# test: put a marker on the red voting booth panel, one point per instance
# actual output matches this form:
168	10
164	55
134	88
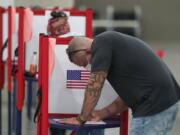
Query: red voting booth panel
11	30
9	62
1	45
20	74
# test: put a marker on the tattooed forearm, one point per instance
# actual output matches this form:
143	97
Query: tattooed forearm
93	92
117	106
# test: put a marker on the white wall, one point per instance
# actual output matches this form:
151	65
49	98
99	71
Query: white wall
172	55
6	3
46	3
160	18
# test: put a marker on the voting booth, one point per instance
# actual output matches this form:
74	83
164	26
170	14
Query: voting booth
31	23
80	25
63	84
12	37
7	30
35	22
3	29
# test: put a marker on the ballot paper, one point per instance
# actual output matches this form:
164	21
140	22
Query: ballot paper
88	122
96	122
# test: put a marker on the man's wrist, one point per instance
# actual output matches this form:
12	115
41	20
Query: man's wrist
80	120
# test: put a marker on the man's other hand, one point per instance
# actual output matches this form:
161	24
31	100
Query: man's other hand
72	121
96	115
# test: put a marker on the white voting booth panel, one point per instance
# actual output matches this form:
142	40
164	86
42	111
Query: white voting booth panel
5	26
14	34
39	25
5	33
69	100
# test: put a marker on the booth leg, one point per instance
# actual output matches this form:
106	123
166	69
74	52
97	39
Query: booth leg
9	114
0	113
19	122
14	106
124	123
29	99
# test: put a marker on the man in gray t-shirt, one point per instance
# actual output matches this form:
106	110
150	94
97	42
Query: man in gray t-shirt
141	79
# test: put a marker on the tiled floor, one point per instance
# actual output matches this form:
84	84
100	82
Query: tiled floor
29	128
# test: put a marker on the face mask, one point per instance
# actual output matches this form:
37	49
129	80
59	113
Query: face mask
88	67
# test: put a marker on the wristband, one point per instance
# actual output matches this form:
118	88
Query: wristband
80	120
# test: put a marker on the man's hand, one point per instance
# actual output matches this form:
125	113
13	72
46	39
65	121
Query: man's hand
95	115
72	121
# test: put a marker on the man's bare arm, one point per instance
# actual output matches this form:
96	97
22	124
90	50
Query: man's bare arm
92	93
117	106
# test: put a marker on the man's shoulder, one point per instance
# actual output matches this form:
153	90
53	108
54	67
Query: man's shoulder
108	33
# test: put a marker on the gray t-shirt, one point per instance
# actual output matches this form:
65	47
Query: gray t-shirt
139	77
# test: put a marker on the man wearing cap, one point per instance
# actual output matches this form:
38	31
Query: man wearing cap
141	79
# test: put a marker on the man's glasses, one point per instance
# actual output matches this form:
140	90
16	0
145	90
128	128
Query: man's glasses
70	53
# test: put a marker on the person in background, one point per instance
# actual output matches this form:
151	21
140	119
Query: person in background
142	80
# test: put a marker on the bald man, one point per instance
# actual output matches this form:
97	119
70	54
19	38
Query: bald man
141	79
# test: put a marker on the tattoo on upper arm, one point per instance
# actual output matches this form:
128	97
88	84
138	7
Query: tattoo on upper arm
96	82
